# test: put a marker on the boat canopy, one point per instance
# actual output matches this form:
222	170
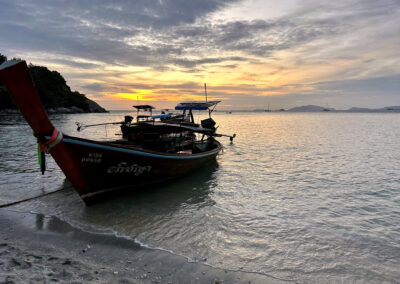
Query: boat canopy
161	116
196	105
144	107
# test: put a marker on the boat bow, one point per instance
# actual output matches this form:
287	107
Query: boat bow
16	77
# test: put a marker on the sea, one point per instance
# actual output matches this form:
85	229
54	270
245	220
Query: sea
306	197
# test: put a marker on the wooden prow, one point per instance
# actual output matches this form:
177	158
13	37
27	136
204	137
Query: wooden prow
15	76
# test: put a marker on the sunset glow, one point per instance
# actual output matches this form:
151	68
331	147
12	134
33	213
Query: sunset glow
250	53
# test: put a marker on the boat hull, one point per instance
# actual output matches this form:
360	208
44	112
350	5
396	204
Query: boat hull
109	168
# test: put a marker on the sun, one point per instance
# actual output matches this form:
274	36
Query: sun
140	95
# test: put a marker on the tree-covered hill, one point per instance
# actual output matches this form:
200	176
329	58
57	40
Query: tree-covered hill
54	92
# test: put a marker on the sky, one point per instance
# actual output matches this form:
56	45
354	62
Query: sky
253	54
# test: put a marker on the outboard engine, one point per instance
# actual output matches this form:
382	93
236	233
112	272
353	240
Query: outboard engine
208	123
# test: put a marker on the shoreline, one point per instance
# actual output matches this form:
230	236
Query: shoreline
59	110
75	110
40	248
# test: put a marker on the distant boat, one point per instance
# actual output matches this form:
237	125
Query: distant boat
98	169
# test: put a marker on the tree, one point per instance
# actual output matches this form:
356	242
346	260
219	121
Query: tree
2	58
52	88
5	99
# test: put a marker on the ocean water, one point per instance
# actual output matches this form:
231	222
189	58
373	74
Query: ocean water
308	197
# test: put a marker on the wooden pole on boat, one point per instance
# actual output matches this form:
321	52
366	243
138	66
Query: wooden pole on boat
15	76
205	90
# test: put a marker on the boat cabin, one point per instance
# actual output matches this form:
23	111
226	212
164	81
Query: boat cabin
144	117
169	130
196	105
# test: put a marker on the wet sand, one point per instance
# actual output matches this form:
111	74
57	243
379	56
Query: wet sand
43	249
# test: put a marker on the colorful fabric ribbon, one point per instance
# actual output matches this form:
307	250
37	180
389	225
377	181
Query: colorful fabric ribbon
56	138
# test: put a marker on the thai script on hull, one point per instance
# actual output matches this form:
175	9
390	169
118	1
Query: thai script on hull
134	169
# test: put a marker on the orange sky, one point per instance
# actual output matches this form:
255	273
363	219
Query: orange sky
251	53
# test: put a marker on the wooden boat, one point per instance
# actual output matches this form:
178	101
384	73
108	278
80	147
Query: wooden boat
98	169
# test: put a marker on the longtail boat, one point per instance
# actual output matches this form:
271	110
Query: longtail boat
98	169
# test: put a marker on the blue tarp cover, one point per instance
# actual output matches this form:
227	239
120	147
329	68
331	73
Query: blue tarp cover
161	116
191	107
196	105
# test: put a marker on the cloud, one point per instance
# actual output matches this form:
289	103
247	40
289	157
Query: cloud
165	32
388	85
261	38
110	43
77	64
188	63
114	33
143	33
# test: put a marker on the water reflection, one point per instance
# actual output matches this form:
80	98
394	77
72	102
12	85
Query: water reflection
191	190
12	119
39	222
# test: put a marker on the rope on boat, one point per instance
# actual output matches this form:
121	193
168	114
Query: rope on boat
45	147
34	197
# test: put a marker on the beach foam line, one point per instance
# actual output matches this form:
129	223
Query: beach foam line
190	260
57	249
95	231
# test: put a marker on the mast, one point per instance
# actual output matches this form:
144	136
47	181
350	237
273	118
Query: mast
205	90
137	112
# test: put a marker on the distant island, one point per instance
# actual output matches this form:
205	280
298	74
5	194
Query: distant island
54	92
314	108
310	108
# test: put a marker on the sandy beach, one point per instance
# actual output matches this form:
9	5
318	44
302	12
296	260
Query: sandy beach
42	249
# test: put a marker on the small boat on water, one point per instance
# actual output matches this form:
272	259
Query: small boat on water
98	169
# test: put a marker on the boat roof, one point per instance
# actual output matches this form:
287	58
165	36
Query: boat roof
198	129
144	107
161	116
196	105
